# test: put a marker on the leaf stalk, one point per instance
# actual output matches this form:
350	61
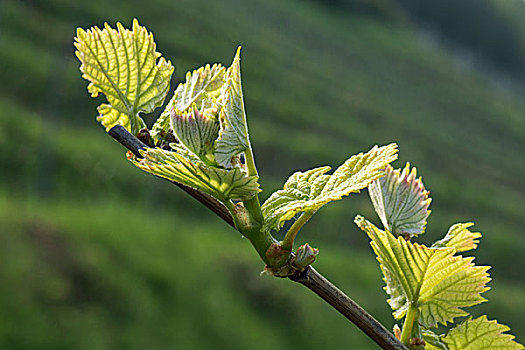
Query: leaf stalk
408	325
288	240
253	205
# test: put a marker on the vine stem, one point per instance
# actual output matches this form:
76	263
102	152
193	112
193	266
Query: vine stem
261	241
310	278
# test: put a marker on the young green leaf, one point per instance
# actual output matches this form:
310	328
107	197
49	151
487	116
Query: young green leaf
196	130
438	283
308	191
223	184
202	84
401	201
459	237
233	137
124	66
300	194
478	334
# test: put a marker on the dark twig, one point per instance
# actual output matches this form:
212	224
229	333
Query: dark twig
310	278
122	136
314	281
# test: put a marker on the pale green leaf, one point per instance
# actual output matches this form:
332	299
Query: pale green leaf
124	66
459	237
196	130
401	201
203	84
233	137
439	283
223	184
480	334
308	191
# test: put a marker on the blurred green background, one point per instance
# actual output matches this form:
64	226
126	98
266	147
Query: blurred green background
98	255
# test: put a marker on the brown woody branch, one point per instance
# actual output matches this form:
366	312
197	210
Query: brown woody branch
122	136
314	281
310	278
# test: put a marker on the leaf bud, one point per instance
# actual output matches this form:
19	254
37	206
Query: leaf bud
305	255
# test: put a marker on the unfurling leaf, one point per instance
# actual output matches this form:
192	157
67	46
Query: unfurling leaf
459	237
433	279
202	84
233	138
401	201
308	191
196	130
223	184
217	93
433	341
124	66
478	334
